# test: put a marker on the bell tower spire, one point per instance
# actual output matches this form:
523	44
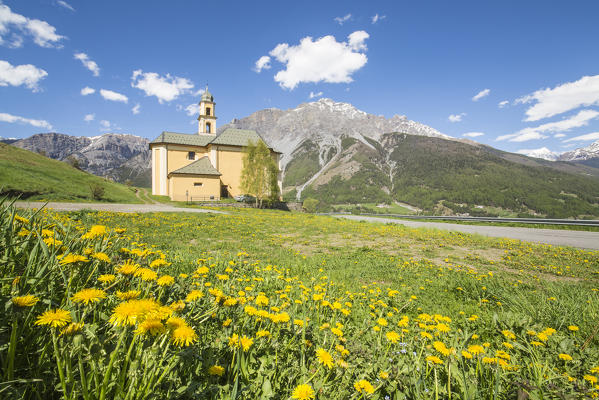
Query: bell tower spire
207	118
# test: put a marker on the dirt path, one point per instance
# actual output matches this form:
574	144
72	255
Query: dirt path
111	207
142	194
582	239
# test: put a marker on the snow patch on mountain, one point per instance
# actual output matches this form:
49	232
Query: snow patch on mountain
583	153
542	152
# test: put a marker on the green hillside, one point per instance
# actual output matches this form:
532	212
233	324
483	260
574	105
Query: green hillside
34	177
430	172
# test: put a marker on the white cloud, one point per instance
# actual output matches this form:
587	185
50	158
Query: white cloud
481	94
582	138
38	123
43	33
18	75
87	90
105	124
322	60
536	132
376	18
87	63
342	20
113	96
198	92
562	98
313	95
473	134
262	63
559	135
165	88
89	117
192	109
456	117
136	109
503	103
65	5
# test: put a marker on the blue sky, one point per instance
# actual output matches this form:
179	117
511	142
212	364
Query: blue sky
446	64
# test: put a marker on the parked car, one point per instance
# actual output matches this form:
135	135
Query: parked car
246	198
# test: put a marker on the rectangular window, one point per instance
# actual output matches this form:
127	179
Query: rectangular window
191	155
197	184
207	110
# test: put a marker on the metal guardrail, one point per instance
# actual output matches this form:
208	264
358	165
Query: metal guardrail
543	221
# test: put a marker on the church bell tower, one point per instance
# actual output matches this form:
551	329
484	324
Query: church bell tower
207	119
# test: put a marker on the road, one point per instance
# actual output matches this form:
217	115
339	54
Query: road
113	207
581	239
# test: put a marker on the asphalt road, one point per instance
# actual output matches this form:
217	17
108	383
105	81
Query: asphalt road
582	239
112	207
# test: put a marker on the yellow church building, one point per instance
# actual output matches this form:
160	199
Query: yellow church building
202	166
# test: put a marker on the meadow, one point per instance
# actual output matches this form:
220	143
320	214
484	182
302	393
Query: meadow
258	304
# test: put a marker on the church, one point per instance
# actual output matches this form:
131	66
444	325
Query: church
202	166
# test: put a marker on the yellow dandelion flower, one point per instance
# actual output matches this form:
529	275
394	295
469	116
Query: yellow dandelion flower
590	378
234	341
303	392
55	318
363	386
337	332
129	295
324	357
441	348
227	322
392	336
175	322
194	295
183	336
537	344
262	333
72	328
443	328
107	278
202	270
565	357
573	328
20	219
467	355
95	231
130	311
72	259
146	274
87	296
434	360
177	306
384	375
509	334
150	326
382	322
476	349
246	342
160	262
28	300
127	268
216	370
165	280
101	256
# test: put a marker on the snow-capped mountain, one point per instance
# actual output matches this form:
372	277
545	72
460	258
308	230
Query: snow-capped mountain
118	156
543	153
582	154
325	122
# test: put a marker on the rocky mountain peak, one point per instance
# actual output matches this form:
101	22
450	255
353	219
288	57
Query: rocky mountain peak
583	153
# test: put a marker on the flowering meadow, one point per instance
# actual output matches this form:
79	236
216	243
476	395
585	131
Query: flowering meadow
272	305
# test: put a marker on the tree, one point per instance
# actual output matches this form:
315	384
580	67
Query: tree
259	176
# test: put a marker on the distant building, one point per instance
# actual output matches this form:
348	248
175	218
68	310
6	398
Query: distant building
203	165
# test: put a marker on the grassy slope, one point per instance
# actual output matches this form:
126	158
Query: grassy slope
35	177
428	170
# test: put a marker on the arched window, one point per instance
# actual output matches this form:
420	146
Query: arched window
207	127
207	110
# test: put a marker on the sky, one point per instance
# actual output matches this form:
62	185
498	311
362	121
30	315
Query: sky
516	75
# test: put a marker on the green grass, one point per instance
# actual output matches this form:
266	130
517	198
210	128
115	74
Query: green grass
34	177
372	208
526	303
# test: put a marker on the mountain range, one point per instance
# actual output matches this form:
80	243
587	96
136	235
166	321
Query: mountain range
336	153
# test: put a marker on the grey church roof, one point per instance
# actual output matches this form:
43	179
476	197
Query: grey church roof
184	138
203	166
230	137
